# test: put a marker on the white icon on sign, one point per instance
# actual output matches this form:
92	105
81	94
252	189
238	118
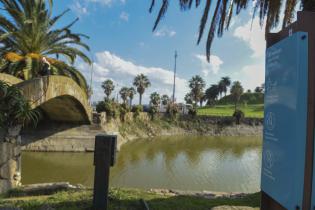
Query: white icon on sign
270	121
269	159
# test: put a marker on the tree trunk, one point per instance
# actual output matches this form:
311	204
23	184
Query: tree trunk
130	102
140	99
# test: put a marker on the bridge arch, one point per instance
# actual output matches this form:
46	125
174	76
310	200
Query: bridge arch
59	97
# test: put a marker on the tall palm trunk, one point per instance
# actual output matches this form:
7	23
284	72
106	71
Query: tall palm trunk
140	99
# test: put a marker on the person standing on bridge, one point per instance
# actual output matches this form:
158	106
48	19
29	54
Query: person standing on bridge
46	67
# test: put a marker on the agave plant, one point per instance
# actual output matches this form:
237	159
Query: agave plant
221	14
14	109
30	39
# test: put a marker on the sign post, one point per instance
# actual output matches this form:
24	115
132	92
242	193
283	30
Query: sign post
104	157
288	148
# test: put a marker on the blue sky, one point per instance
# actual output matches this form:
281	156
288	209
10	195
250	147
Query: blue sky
123	45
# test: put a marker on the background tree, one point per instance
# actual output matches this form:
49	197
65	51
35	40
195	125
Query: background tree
141	82
258	90
165	100
196	85
155	99
188	98
124	94
212	94
29	34
225	82
224	10
132	93
109	87
236	92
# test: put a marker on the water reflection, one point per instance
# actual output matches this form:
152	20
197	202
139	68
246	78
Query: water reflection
187	163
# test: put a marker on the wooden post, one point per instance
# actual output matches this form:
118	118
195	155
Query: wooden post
104	157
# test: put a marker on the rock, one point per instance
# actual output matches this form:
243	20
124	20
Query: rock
8	170
233	208
5	185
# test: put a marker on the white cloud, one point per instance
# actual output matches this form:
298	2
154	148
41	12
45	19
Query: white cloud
164	31
212	66
253	35
251	76
111	66
124	16
79	9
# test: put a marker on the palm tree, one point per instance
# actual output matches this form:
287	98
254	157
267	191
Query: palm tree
188	98
124	94
212	94
132	93
165	100
223	11
237	91
226	82
155	99
109	87
31	40
196	85
141	82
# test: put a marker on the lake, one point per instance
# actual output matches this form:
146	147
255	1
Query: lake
223	164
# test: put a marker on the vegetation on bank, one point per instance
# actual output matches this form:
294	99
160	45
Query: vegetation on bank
250	111
122	199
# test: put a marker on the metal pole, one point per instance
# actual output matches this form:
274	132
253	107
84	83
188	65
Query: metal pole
174	86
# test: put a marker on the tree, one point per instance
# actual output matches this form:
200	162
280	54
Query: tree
124	94
14	109
212	94
31	41
236	92
196	85
109	87
141	82
132	93
155	99
188	98
258	90
165	100
225	83
223	11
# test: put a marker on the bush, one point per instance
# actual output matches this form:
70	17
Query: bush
110	107
172	110
192	111
238	115
123	110
154	110
100	107
137	110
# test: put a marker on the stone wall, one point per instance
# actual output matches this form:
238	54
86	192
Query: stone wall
10	163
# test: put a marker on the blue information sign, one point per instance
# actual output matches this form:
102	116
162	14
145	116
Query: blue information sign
285	122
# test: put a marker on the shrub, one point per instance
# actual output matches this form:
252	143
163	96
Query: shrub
192	111
238	115
100	107
172	110
123	110
154	110
137	110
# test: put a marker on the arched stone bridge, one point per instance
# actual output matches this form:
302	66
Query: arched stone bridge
59	97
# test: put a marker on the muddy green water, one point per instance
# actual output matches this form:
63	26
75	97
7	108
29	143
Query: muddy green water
224	164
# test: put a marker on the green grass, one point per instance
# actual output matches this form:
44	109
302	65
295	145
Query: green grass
125	199
255	111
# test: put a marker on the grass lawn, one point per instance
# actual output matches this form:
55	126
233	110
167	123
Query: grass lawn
124	199
256	111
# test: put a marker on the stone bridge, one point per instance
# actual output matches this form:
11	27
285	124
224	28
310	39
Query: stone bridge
59	97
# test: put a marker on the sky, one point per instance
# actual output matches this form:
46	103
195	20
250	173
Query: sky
123	46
